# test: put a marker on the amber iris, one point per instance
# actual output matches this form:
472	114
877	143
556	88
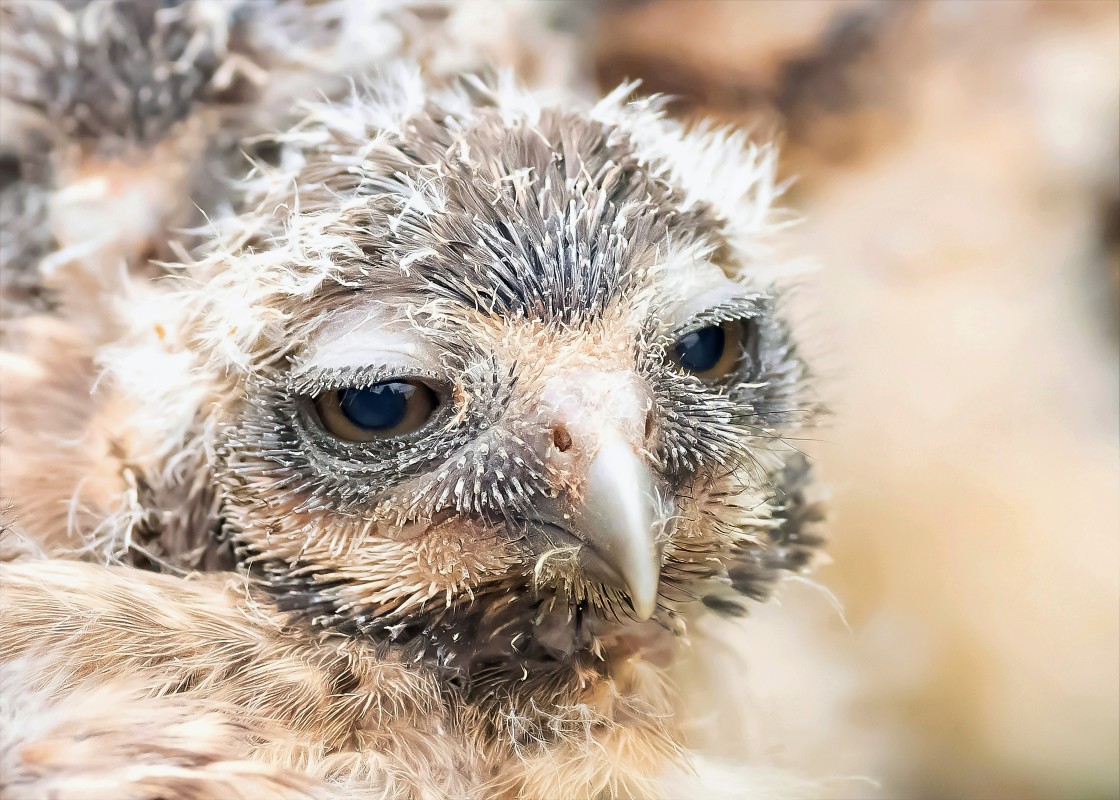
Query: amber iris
380	411
710	352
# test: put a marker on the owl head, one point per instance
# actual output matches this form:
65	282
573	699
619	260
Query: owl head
497	377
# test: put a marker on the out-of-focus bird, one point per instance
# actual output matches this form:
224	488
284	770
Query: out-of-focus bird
125	121
121	118
486	399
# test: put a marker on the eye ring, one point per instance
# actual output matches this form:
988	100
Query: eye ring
711	352
384	410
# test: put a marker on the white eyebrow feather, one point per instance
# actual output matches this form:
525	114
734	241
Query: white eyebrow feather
363	337
695	289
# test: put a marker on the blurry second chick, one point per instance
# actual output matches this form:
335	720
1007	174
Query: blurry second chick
127	119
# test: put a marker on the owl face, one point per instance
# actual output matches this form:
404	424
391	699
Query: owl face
521	393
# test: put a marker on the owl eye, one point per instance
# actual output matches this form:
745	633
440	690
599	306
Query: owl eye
380	411
710	352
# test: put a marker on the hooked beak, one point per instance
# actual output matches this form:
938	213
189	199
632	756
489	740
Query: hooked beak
595	421
616	520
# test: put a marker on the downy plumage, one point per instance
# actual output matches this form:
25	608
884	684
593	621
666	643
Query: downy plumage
482	605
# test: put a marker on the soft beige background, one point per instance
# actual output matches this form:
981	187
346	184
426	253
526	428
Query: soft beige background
958	174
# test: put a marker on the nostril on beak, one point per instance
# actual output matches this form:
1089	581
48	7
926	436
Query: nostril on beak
649	424
561	437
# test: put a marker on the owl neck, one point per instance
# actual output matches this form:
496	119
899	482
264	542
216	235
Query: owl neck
499	633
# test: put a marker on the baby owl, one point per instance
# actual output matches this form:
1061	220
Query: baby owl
439	446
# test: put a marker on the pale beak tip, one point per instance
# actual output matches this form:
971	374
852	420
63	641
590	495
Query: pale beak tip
644	606
641	587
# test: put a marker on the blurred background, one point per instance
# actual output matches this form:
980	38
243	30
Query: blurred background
957	167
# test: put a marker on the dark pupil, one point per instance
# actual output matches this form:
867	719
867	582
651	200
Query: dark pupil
701	350
378	407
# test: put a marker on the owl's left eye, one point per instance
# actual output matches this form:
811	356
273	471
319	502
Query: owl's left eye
380	411
710	352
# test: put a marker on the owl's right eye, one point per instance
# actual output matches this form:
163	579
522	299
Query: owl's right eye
380	411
